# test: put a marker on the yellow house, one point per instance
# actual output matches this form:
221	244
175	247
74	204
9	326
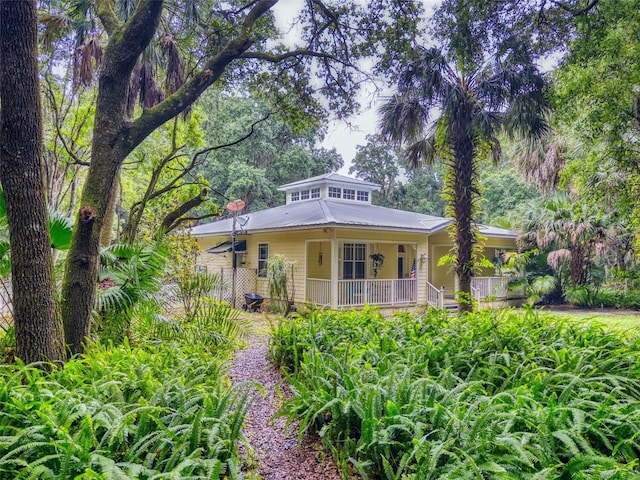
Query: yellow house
347	252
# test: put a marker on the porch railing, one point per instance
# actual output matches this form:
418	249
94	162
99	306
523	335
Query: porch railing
377	292
491	287
435	296
319	291
360	292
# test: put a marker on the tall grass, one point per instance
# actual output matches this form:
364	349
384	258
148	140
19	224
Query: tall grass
498	395
121	413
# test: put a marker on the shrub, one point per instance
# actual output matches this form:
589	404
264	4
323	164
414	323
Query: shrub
489	395
121	413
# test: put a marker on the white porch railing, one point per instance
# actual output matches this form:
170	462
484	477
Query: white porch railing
319	291
435	296
377	292
354	293
483	287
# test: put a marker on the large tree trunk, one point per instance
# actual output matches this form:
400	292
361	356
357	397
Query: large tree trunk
38	329
108	151
463	202
115	137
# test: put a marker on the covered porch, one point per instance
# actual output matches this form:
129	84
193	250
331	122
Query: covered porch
352	273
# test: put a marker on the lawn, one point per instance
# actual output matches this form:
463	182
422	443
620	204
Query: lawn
619	319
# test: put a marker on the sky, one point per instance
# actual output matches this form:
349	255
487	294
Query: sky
343	135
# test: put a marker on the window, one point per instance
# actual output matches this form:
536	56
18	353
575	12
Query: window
335	192
363	196
263	258
315	193
295	196
304	195
353	260
349	194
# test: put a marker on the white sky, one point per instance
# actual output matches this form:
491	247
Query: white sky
343	135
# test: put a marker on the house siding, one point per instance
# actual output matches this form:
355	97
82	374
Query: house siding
296	245
443	276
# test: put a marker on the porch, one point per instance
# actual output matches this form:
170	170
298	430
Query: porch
484	290
356	293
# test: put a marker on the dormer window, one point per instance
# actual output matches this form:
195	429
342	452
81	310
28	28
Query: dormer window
329	186
363	196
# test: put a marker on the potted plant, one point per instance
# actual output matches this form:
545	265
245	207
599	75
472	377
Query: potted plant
378	260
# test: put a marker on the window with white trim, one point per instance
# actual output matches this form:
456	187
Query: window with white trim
353	261
363	196
263	259
315	193
335	192
348	194
304	195
295	196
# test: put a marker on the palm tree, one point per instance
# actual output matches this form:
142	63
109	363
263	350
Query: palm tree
476	98
569	232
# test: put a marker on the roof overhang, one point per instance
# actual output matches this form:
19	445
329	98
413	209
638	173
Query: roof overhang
224	247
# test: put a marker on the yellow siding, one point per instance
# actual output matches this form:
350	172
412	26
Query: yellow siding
442	276
295	245
315	269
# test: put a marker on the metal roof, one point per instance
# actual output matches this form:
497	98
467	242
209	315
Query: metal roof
330	178
318	213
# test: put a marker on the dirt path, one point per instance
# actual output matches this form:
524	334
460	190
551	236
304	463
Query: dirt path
276	451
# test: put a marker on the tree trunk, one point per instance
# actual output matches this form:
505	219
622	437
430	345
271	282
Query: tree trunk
463	198
110	214
38	329
115	136
108	150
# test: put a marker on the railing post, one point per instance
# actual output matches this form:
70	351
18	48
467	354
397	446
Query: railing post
441	298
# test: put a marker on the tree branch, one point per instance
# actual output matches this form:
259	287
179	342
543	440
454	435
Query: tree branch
107	15
191	91
284	56
172	219
573	11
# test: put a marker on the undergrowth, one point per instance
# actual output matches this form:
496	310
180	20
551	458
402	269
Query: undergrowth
120	413
490	395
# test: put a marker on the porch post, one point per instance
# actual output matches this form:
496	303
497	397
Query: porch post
334	273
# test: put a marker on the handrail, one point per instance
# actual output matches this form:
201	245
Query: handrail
435	296
475	294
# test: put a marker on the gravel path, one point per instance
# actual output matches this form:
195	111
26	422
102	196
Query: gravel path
276	451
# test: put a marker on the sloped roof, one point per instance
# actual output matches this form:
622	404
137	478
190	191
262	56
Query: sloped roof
320	212
329	178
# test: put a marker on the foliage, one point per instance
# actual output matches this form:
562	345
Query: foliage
479	89
411	189
377	260
279	274
194	288
530	271
502	191
216	325
122	412
571	235
605	297
129	275
272	154
597	98
494	394
378	162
